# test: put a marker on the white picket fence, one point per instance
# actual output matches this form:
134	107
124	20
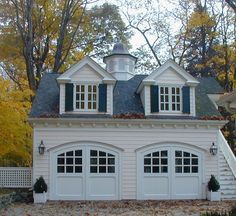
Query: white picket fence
15	177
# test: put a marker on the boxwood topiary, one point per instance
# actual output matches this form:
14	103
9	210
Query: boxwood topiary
40	185
213	184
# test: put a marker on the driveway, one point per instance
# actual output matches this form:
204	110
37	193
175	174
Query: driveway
123	208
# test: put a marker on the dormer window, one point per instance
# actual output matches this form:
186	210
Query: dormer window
86	97
170	99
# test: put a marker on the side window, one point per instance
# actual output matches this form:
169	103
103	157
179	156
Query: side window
121	65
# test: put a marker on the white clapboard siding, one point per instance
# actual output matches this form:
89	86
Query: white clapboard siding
128	139
86	73
170	76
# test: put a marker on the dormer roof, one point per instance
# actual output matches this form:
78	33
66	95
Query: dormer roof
169	64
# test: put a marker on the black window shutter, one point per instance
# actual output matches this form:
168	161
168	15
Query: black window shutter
154	98
69	97
186	99
102	107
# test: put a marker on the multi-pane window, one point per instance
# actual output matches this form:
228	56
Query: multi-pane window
70	162
86	97
186	162
156	162
101	162
170	98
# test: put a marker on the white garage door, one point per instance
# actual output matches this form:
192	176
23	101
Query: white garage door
84	173
169	173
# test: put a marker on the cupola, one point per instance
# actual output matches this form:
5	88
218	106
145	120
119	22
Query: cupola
120	63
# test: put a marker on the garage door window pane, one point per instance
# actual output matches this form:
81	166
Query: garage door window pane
194	169
155	169
70	162
102	169
185	162
60	169
101	153
156	162
93	153
78	153
60	160
164	169
78	169
147	169
111	160
194	161
69	169
70	153
93	169
93	160
147	161
101	162
178	169
111	169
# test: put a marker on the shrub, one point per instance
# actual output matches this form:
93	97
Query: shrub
40	185
213	184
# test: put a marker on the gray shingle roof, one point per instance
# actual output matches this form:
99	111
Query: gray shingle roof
125	100
204	106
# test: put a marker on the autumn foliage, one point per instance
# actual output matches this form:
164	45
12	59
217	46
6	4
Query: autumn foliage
15	131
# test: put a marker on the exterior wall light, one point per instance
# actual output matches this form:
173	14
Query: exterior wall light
41	148
213	149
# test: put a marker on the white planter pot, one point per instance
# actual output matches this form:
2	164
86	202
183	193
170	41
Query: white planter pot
213	196
40	197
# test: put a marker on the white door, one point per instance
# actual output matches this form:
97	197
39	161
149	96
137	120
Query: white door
169	173
85	173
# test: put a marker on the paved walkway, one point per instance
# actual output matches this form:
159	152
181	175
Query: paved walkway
112	208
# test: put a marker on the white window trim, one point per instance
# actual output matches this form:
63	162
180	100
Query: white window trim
170	101
86	97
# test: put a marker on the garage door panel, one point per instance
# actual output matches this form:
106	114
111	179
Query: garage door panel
186	186
156	187
102	188
70	187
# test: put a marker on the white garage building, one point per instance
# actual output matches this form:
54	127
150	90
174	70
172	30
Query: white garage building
110	134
